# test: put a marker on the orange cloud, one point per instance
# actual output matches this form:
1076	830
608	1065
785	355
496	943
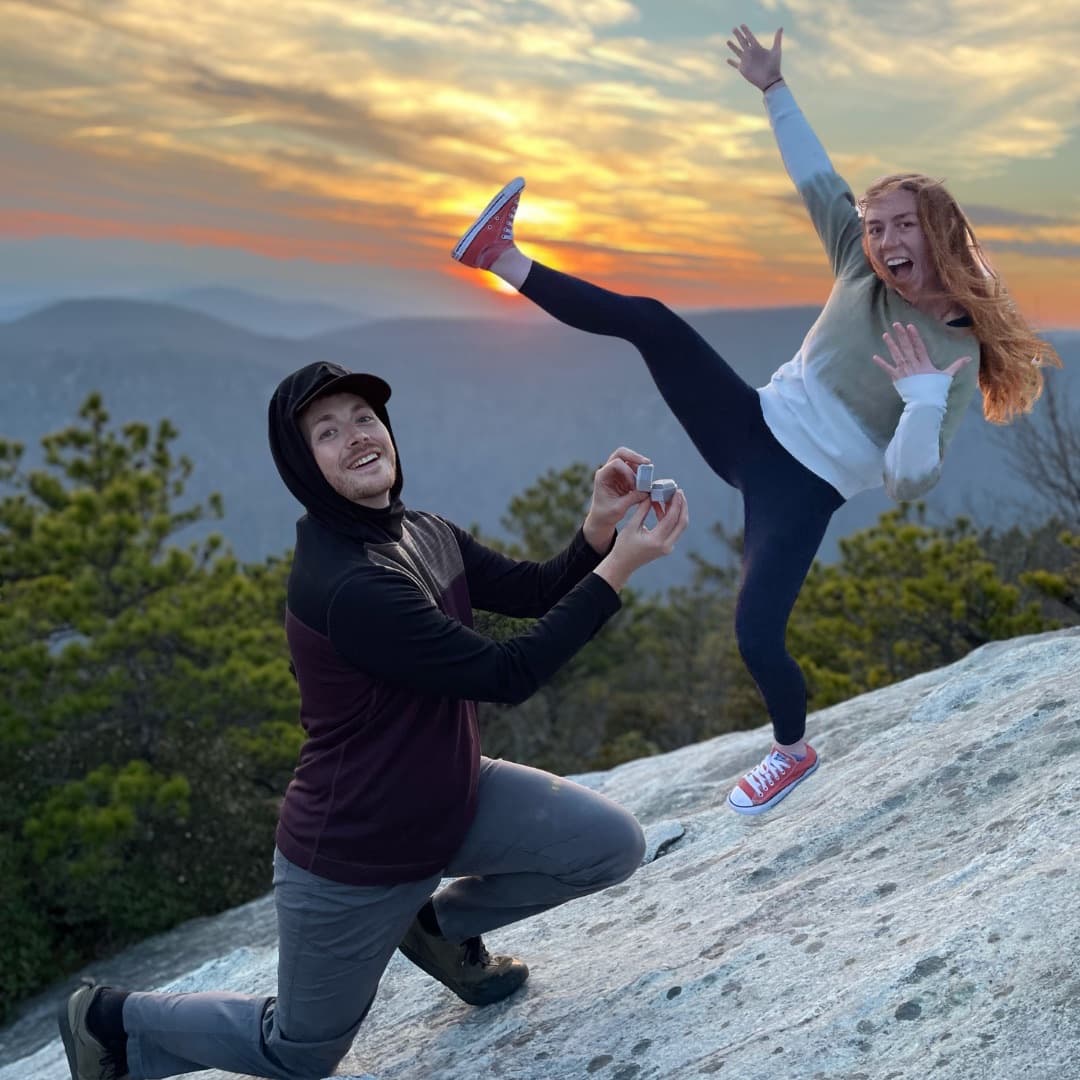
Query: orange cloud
342	131
24	224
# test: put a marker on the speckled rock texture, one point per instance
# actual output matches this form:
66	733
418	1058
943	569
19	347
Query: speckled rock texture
910	911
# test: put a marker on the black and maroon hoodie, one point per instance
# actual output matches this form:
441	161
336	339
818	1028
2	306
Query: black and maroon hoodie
379	625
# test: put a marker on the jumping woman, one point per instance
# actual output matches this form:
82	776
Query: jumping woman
838	418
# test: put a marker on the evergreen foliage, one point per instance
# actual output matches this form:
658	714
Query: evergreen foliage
1062	585
149	722
904	597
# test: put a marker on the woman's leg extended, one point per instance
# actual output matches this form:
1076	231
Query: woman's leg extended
537	841
713	404
710	401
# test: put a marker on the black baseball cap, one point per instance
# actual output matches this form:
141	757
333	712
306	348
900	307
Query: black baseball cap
322	378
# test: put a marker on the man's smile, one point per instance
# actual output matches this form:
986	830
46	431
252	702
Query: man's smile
364	461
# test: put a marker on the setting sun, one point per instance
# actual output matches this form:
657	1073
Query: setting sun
364	140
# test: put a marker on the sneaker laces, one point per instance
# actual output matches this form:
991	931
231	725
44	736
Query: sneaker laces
475	952
508	227
763	776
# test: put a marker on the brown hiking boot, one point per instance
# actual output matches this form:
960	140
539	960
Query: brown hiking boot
88	1058
468	969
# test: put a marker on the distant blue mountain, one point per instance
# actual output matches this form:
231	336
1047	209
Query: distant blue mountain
98	324
10	312
255	312
266	314
480	409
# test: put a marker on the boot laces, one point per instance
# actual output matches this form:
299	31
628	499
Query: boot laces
475	952
110	1071
107	1066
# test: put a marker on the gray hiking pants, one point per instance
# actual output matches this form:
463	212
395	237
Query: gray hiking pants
536	842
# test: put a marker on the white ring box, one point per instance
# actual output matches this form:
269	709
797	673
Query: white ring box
660	491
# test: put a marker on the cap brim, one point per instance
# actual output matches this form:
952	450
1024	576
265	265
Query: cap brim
371	388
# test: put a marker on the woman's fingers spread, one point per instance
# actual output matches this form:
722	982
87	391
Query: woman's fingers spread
905	344
911	353
917	345
894	349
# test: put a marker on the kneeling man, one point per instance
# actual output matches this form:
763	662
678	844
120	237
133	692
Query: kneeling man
391	792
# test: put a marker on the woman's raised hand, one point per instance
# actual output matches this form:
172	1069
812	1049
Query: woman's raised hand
909	355
755	63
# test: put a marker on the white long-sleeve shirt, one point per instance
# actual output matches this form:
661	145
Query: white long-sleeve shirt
830	406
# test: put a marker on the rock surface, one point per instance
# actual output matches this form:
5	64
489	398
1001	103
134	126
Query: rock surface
910	911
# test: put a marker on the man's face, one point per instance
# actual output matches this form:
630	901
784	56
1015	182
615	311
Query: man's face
352	448
899	252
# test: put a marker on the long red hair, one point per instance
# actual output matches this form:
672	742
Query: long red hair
1011	354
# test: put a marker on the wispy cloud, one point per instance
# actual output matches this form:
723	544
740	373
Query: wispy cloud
999	215
365	125
985	82
1041	249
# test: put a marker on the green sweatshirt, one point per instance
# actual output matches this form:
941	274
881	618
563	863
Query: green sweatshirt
831	407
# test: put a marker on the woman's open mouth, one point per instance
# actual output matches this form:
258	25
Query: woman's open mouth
900	268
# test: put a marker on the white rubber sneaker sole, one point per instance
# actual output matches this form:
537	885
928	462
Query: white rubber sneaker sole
492	208
760	809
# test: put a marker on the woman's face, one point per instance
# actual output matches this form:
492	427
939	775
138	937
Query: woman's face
899	250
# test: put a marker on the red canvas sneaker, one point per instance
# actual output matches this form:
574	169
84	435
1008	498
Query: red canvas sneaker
766	784
493	231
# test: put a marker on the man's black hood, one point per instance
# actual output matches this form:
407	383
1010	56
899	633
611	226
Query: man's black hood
296	463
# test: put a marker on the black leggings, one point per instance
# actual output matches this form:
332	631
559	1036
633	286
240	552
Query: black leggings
787	507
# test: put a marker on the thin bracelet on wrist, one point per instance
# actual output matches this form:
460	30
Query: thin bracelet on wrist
772	84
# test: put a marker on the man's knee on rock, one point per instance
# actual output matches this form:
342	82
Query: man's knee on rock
627	851
318	1067
316	1060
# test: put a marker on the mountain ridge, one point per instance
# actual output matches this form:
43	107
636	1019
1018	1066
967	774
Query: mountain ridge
481	408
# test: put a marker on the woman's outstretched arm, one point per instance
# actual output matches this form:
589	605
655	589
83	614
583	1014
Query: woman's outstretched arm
804	156
827	196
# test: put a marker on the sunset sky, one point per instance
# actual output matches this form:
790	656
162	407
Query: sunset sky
336	149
